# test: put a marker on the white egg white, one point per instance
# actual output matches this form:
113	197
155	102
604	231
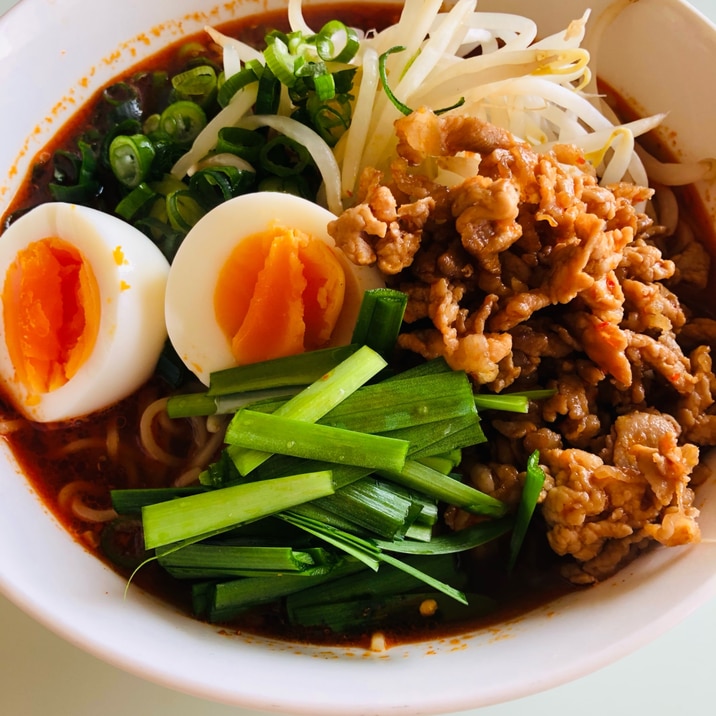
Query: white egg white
190	316
131	275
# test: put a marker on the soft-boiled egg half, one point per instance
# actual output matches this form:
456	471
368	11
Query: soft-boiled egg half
82	320
259	277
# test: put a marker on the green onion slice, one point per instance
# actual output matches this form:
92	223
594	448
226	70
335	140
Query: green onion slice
130	158
379	319
231	85
197	84
280	61
244	143
325	86
216	184
383	72
283	156
183	210
401	106
269	93
325	42
80	185
182	121
137	199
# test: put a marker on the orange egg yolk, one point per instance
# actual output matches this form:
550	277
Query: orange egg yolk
280	293
51	310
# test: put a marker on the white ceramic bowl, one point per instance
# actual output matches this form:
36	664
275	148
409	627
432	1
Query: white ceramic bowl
53	54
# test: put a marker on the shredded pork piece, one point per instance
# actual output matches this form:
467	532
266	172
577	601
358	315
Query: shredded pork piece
529	273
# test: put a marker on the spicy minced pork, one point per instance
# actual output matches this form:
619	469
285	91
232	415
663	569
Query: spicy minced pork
528	274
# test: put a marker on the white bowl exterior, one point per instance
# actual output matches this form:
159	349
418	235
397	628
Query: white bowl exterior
78	597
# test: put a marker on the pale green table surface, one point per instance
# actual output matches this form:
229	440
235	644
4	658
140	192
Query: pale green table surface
42	675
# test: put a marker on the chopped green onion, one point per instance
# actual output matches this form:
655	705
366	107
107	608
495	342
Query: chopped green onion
374	506
131	158
296	370
510	403
284	156
225	600
165	236
182	121
401	106
150	126
534	481
458	541
197	84
125	101
217	184
272	433
280	61
361	549
195	404
204	561
235	83
417	476
325	42
167	185
379	319
83	185
296	42
372	612
388	406
130	501
208	512
244	143
428	579
269	93
325	86
329	118
183	210
310	404
296	185
134	202
119	93
383	72
387	581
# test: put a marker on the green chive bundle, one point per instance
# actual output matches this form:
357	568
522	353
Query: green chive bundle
330	483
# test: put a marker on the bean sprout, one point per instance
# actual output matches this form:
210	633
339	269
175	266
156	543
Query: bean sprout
543	91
